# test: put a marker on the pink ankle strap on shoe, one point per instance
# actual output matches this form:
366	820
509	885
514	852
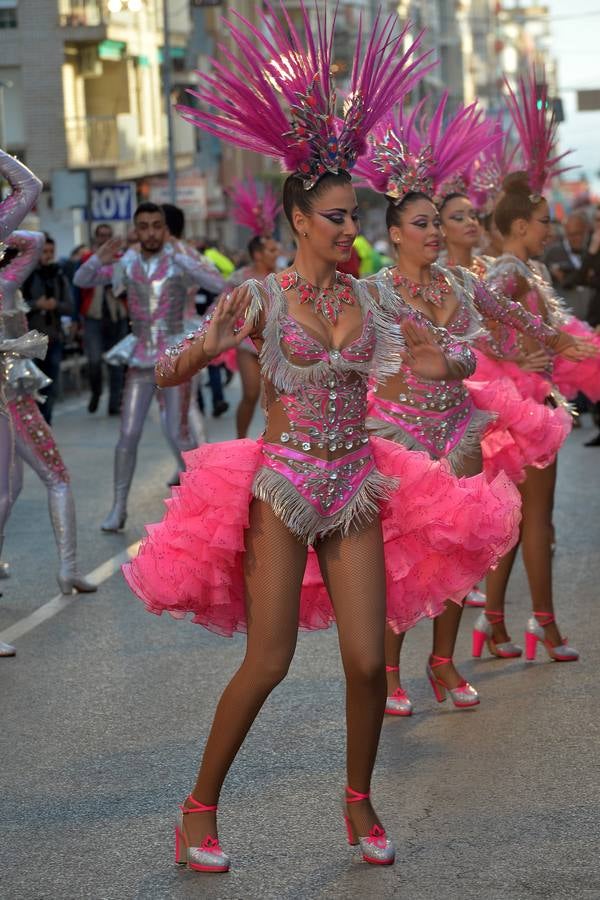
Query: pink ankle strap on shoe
494	618
196	808
439	660
550	620
392	668
355	796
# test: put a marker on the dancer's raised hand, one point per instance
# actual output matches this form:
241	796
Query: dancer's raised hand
227	327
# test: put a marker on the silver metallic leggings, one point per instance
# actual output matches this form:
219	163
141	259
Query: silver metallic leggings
29	439
178	427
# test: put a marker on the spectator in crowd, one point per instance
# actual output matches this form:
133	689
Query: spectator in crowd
105	322
48	295
591	274
564	259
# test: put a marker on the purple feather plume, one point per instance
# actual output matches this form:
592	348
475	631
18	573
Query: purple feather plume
253	208
274	95
536	128
422	153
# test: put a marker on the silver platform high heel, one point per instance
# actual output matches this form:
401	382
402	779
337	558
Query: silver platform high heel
483	633
376	847
7	649
208	857
535	634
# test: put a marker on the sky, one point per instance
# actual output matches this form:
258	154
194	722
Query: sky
576	46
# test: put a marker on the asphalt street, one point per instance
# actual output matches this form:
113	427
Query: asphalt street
104	711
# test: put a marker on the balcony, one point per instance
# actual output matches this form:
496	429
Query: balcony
83	21
114	142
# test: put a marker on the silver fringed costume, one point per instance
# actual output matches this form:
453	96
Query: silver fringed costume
157	294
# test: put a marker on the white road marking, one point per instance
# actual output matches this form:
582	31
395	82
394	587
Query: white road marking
101	573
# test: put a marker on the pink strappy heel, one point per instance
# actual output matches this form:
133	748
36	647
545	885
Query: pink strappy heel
463	695
376	848
535	633
398	703
208	857
483	633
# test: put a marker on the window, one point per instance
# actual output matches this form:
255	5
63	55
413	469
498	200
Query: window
8	14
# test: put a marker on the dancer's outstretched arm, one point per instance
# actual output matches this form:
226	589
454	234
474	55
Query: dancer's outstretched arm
26	188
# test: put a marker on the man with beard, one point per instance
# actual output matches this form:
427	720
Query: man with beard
155	279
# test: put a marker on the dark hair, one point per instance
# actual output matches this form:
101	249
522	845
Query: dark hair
8	256
393	213
148	207
175	219
48	239
516	202
453	196
296	196
102	225
255	245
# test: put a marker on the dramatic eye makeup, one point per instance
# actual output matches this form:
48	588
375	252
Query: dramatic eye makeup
423	222
337	216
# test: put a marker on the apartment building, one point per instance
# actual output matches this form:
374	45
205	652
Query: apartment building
83	94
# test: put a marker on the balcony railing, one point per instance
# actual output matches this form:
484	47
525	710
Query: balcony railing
82	13
113	142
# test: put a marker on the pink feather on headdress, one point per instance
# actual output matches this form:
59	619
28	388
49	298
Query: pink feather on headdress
536	128
277	97
253	208
491	167
421	154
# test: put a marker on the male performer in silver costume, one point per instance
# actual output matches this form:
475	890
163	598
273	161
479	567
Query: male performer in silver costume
156	278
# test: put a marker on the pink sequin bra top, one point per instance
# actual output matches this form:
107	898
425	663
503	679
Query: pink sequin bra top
323	392
437	417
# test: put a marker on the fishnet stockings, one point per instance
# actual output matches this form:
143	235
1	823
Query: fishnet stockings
274	562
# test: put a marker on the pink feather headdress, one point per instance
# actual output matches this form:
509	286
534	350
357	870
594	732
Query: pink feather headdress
536	128
417	154
277	97
253	208
491	167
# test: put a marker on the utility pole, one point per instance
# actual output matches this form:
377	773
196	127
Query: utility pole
167	96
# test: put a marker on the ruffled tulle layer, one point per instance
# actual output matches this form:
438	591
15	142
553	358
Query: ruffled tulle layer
441	535
526	430
582	376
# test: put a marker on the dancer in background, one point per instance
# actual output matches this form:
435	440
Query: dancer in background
247	511
25	189
523	218
410	160
256	211
156	279
35	443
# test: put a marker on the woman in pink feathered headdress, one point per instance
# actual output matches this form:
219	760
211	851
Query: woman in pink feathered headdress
517	377
417	162
377	521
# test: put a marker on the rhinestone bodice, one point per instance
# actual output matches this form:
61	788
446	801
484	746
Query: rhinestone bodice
322	390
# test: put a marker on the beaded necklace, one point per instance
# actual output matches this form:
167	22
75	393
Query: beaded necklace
327	301
433	293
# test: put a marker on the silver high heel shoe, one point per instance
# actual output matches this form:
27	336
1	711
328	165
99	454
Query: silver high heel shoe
463	695
483	633
535	633
208	857
398	703
7	649
376	847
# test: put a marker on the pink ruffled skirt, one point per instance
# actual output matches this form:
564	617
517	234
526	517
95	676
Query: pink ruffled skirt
526	430
441	535
581	376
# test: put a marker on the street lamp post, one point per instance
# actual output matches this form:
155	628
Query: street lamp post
167	94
